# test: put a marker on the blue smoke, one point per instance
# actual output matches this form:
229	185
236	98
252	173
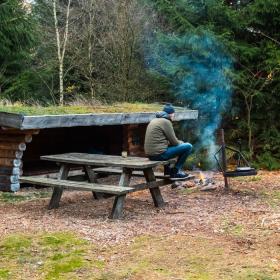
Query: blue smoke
198	67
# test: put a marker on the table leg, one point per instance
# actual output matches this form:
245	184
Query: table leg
92	177
57	192
125	177
117	210
155	192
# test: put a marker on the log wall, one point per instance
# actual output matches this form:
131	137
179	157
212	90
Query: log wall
13	143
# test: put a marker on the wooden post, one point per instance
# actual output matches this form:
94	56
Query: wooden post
224	158
57	191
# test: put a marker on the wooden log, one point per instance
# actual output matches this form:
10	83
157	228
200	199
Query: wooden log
7	162
11	154
15	131
10	179
16	138
15	187
9	187
10	171
12	146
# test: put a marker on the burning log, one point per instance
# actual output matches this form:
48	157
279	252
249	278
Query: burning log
205	181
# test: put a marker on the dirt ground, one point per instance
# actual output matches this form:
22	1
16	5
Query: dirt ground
197	235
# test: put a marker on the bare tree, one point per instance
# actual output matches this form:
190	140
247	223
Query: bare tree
61	42
107	37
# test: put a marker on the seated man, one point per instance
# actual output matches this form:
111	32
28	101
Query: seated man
161	142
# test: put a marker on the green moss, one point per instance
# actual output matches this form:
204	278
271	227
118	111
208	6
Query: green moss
52	255
81	109
61	239
58	267
4	273
15	245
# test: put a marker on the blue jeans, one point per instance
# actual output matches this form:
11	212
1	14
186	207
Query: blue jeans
182	151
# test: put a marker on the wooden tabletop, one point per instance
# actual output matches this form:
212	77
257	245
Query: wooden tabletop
103	160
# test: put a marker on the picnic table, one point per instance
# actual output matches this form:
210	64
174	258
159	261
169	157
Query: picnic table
93	164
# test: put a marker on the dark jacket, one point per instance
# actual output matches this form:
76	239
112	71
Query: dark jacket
159	135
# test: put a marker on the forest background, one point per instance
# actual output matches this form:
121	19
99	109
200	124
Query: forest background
96	51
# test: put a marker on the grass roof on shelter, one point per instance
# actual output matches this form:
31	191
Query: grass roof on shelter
80	109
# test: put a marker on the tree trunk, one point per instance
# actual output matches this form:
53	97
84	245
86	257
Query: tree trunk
61	48
61	84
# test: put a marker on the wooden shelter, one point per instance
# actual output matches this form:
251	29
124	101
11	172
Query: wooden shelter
23	139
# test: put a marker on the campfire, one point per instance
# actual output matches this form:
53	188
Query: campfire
203	181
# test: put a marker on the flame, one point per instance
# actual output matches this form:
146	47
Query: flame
201	176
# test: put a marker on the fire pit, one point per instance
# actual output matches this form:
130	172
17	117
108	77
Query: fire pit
242	168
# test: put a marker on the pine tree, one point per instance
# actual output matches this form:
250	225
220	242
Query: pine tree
17	38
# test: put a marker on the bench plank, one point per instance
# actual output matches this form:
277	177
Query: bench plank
112	171
76	185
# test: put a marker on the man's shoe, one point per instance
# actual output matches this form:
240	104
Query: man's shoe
183	173
177	175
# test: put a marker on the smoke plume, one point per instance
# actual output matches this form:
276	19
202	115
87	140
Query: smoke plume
198	66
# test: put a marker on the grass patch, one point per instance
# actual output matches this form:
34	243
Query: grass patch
80	109
24	196
232	228
183	257
52	256
247	179
4	273
190	190
63	255
272	197
252	275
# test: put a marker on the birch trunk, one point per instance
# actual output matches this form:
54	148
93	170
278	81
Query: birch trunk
61	47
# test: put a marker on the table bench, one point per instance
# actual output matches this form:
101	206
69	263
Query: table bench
94	163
